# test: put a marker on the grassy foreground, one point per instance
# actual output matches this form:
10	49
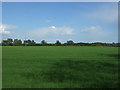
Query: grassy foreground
60	67
0	67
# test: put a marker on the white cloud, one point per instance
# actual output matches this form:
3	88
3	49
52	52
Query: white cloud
5	29
97	33
92	29
52	30
48	21
4	32
106	14
52	27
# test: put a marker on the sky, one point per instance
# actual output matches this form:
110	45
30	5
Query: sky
60	0
51	21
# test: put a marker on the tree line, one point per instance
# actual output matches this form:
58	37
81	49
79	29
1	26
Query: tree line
18	42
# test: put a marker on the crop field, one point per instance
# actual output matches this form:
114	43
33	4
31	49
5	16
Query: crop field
59	67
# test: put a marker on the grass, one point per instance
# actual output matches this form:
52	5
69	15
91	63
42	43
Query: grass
0	67
60	67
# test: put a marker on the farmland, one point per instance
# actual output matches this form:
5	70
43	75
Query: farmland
60	67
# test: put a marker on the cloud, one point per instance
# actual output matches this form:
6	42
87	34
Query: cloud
5	29
52	30
97	33
4	32
106	14
52	27
48	21
92	29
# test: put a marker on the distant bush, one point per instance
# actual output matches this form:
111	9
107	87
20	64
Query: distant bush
16	42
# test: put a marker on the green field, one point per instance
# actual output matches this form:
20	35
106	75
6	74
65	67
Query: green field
60	67
0	67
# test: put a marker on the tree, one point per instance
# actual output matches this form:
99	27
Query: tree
116	44
58	42
43	42
29	42
25	42
17	42
33	42
10	41
70	42
5	42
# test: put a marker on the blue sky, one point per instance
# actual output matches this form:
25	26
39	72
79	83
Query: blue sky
50	21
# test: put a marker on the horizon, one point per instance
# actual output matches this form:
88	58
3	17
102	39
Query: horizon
57	40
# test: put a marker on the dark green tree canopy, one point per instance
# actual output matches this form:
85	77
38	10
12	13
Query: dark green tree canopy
70	42
58	42
17	42
43	42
